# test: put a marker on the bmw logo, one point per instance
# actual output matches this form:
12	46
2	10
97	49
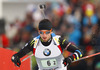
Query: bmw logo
46	52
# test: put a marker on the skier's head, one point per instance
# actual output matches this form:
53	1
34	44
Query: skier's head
45	24
45	29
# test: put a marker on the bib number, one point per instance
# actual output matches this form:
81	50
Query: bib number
49	63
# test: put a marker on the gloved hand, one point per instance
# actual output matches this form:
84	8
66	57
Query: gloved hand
16	60
67	61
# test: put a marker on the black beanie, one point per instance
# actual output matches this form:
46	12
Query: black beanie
45	24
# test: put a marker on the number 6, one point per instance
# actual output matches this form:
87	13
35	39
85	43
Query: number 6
48	63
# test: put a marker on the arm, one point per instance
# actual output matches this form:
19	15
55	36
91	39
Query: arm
26	49
65	45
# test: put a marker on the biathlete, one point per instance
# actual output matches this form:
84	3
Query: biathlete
47	49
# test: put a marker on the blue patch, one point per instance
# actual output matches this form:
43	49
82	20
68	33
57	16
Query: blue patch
38	37
53	34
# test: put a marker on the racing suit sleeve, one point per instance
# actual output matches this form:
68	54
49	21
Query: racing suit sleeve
65	45
26	49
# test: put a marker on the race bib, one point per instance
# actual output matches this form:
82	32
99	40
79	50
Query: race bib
49	63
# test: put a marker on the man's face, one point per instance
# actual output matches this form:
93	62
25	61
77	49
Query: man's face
45	35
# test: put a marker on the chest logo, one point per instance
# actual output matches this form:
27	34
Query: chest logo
46	52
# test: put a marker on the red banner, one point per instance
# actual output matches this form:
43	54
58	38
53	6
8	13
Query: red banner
7	64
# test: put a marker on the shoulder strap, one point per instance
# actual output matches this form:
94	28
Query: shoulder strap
36	41
55	38
35	44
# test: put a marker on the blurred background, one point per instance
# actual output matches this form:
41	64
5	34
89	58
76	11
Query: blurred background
76	20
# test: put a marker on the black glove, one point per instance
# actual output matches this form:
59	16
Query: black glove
67	61
16	60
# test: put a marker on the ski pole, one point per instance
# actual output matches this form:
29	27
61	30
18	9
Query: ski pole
87	57
27	57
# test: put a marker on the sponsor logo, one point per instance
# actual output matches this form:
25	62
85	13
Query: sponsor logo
46	52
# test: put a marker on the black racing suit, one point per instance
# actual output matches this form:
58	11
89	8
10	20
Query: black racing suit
63	43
